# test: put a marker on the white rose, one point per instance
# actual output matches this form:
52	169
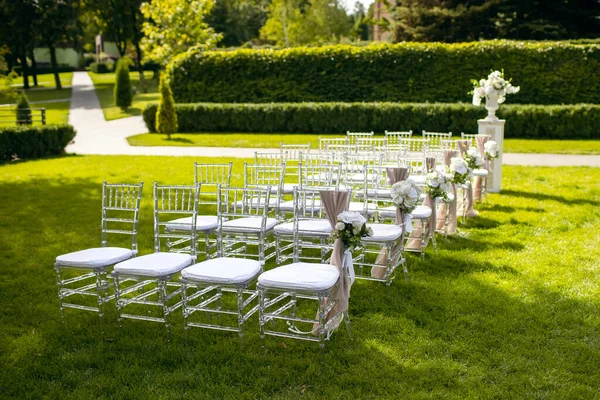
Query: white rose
355	231
340	226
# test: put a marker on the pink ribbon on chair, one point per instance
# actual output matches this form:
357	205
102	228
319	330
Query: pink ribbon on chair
334	204
463	146
478	180
394	175
452	207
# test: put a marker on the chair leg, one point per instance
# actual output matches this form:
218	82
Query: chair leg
348	326
162	296
261	313
240	301
59	282
118	300
100	293
322	306
388	264
184	309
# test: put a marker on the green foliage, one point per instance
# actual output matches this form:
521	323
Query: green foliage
99	68
23	110
34	142
523	121
548	73
166	117
123	93
239	21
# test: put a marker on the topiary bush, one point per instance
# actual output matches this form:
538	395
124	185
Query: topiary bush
31	142
123	92
548	73
522	121
23	110
166	117
99	68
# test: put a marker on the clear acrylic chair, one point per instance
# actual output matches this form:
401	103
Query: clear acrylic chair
470	137
272	159
90	267
293	150
436	137
323	142
209	177
313	229
393	139
268	176
353	136
415	146
370	144
244	223
340	150
317	158
294	155
144	288
319	176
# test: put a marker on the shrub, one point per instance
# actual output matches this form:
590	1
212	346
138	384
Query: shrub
30	142
166	117
123	93
99	68
522	121
548	73
23	110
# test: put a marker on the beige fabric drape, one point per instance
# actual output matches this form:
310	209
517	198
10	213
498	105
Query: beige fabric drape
335	203
429	163
478	180
394	175
452	207
463	146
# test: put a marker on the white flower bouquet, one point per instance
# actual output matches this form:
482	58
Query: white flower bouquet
437	184
351	227
492	150
459	170
473	158
495	84
405	195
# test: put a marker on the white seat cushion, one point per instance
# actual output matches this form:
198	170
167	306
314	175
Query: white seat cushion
95	257
288	188
383	233
480	172
223	270
300	276
418	179
310	225
203	223
287	205
249	223
157	264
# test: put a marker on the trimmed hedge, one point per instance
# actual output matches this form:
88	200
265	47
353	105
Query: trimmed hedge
522	121
99	68
30	142
548	73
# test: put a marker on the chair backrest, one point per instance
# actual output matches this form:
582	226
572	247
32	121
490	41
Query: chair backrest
263	158
393	138
340	150
395	156
323	142
435	137
470	137
262	176
307	204
243	203
415	145
317	158
370	144
353	136
293	150
172	203
121	211
319	176
210	176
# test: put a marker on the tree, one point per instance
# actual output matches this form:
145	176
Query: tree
239	21
360	22
299	22
166	118
17	30
23	110
176	26
122	93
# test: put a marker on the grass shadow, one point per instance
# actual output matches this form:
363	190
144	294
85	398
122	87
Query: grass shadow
550	197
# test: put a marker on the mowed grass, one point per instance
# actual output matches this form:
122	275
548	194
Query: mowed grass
104	85
44	81
272	140
507	308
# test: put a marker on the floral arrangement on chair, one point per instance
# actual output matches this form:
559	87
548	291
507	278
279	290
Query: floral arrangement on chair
405	195
473	158
437	184
351	227
494	85
492	150
460	171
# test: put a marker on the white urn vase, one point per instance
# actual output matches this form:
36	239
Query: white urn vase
491	103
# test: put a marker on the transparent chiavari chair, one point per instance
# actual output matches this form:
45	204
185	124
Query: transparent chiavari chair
219	287
268	176
471	137
144	283
313	229
370	144
324	176
294	154
244	223
340	150
353	165
317	158
287	293
436	137
393	139
415	145
354	136
84	273
273	159
323	142
395	156
209	177
293	150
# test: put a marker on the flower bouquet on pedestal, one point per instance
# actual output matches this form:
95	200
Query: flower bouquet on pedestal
494	90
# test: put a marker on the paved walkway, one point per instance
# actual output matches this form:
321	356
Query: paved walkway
97	136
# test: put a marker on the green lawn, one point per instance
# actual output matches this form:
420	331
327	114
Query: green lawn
44	81
105	83
508	308
265	140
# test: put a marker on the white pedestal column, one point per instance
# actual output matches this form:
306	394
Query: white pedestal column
495	129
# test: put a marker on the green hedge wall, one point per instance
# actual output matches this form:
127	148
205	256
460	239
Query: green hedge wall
548	73
30	142
523	121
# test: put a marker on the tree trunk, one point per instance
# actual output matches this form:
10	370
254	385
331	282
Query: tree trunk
140	68
24	70
33	68
54	65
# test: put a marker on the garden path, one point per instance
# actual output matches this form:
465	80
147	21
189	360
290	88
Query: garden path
95	135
